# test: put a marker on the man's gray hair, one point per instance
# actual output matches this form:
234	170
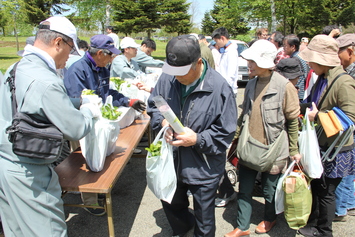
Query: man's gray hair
93	51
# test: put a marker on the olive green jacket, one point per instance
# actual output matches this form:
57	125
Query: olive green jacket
341	95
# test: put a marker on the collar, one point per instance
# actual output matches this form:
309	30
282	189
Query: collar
92	61
30	49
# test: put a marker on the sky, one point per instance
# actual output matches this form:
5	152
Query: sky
201	7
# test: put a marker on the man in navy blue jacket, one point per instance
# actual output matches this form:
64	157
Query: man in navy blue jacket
90	72
205	104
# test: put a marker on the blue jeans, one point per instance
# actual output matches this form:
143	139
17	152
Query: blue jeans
345	197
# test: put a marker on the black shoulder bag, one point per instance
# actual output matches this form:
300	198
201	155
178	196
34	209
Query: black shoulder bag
29	136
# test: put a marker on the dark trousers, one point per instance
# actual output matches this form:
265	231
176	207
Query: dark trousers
179	217
225	188
323	206
245	196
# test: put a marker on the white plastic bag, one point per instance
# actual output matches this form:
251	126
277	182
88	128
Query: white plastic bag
309	149
100	142
161	176
280	194
129	90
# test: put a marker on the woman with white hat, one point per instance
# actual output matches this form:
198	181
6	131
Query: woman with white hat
271	107
333	88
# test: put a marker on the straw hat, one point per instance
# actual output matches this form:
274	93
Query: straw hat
322	50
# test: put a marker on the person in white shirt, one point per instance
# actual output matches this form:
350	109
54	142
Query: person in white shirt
228	65
114	36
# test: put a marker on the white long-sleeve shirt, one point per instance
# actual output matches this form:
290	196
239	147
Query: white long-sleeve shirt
228	66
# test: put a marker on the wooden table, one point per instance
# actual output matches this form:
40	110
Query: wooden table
74	175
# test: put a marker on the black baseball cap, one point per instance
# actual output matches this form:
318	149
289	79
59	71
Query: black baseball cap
289	68
181	52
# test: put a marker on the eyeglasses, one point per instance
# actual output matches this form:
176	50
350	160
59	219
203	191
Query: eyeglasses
111	54
72	47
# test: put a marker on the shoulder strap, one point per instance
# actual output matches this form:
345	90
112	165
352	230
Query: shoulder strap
11	81
326	93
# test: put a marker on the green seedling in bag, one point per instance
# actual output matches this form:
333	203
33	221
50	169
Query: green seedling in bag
88	92
154	149
110	112
118	82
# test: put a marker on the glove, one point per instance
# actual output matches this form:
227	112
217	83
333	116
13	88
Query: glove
95	109
92	99
138	105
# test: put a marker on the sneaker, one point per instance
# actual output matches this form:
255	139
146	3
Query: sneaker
95	211
222	202
308	231
351	212
340	218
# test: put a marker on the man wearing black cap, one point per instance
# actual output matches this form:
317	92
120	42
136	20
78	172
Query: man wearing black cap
205	105
290	68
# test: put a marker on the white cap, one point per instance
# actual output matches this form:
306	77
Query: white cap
63	26
262	52
128	42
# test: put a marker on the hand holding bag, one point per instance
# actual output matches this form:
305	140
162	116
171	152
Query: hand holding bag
309	149
100	142
160	170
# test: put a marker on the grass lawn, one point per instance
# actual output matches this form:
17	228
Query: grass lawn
8	51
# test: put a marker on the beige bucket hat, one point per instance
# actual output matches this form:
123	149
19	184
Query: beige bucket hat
322	50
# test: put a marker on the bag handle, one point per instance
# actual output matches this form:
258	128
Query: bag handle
161	132
326	93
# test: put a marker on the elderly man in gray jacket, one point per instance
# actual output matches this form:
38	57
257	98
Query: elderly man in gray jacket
30	194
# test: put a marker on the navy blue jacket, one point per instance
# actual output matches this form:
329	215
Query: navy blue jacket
84	75
210	111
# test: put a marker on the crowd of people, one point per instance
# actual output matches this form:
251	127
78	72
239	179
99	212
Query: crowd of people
288	76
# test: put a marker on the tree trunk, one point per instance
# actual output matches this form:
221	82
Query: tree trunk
108	16
149	33
273	16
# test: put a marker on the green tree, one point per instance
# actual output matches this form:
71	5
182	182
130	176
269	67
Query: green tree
175	17
229	14
207	24
131	16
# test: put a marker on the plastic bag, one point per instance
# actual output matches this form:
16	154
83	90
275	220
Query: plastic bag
100	142
298	199
161	176
309	148
279	193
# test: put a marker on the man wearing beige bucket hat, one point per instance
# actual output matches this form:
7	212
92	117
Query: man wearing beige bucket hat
332	88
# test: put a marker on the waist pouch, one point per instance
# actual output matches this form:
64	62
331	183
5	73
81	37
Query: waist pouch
35	139
256	155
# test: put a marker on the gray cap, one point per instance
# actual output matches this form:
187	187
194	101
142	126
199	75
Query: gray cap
29	41
346	40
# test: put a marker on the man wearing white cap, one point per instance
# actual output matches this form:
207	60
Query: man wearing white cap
30	194
205	104
123	66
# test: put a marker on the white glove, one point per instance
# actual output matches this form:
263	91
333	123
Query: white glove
92	99
95	109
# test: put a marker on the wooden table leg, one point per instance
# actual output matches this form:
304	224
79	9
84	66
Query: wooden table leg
111	228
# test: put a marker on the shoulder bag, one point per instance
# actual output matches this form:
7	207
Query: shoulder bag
256	155
29	136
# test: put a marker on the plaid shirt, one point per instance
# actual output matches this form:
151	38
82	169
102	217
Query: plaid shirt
301	80
351	70
280	55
